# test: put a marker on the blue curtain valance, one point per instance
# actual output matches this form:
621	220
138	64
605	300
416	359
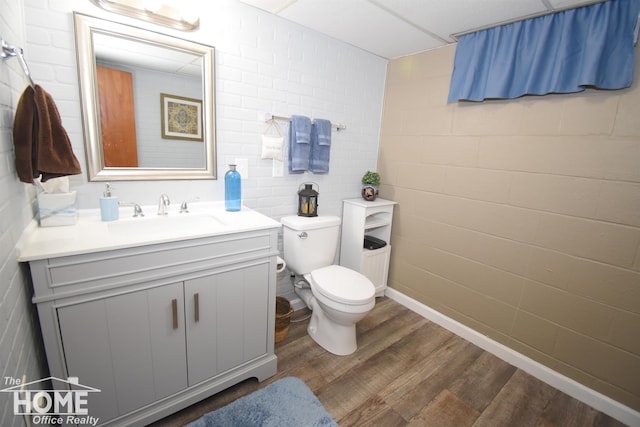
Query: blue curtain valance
562	52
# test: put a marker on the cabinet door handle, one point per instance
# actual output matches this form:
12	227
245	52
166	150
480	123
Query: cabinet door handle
196	307
174	311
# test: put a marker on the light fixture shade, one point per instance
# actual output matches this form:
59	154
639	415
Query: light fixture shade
178	15
189	11
152	6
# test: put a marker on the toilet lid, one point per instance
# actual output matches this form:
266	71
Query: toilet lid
343	285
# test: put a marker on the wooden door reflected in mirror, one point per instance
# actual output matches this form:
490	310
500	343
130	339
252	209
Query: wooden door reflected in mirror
117	117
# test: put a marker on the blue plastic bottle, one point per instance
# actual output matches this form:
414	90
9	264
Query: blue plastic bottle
232	189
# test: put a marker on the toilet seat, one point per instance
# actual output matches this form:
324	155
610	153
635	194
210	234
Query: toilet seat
343	285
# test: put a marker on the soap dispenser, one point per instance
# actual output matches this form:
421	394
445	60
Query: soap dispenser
108	205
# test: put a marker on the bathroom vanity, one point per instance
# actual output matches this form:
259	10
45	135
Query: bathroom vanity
156	313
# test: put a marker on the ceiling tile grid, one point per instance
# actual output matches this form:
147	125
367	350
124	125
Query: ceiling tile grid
395	28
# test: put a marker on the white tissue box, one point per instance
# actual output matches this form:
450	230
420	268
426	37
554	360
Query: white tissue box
57	209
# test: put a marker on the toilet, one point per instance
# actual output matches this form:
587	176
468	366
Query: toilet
337	296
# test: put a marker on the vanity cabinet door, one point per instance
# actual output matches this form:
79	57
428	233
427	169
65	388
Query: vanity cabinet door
130	346
226	316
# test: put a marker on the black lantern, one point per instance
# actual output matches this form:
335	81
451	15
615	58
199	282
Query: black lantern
307	200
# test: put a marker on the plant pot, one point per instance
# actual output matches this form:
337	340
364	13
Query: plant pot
369	192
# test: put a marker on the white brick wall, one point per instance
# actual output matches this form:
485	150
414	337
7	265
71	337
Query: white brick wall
263	64
21	352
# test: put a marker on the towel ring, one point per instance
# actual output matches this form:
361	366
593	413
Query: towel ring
9	52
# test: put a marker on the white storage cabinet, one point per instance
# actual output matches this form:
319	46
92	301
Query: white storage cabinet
360	218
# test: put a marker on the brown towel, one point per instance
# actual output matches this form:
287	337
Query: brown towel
42	146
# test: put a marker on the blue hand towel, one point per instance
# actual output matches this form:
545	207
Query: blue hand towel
320	146
299	144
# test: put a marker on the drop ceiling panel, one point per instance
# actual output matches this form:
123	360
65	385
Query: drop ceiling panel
453	16
271	6
393	28
122	51
362	24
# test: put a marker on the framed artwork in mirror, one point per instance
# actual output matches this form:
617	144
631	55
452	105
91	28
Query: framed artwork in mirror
181	117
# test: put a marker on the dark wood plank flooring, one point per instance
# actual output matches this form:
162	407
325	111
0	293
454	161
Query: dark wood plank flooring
409	371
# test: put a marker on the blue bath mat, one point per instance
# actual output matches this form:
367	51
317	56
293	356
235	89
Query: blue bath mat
287	402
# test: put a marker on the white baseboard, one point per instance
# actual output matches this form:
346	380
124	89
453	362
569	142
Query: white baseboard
565	384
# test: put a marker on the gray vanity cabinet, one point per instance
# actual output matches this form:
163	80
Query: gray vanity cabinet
159	327
225	320
127	346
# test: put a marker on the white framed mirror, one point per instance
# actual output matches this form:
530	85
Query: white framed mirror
148	104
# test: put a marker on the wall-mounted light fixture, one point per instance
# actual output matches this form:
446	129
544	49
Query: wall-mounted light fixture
178	14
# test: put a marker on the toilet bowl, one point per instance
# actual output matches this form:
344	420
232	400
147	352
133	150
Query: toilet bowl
336	310
337	296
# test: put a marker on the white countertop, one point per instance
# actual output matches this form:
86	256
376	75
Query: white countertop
91	234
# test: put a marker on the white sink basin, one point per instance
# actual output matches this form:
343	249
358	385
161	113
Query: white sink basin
166	225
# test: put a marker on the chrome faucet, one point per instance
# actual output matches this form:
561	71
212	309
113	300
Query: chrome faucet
184	207
163	204
137	210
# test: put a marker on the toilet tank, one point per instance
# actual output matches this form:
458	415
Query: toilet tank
309	242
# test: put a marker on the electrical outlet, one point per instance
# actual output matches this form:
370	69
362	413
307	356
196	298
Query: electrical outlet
242	166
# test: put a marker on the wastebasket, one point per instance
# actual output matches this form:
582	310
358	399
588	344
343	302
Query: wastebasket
284	311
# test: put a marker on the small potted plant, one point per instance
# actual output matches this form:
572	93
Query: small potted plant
370	183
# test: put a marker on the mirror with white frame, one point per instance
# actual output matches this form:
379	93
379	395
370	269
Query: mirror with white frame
148	104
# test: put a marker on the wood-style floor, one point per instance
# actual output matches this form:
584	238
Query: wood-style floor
408	371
